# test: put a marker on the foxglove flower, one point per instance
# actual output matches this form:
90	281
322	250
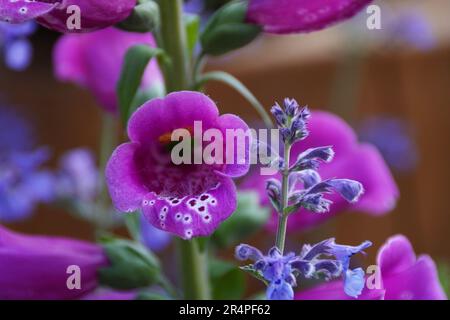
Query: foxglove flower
188	200
298	16
35	267
23	183
78	176
15	46
58	14
350	160
280	271
403	276
94	61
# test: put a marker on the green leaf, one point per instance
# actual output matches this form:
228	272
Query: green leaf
131	265
248	218
229	37
444	276
192	25
136	61
227	30
256	274
227	280
143	18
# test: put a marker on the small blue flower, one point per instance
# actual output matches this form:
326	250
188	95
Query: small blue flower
16	47
23	184
280	271
354	282
280	290
154	238
78	177
393	138
344	252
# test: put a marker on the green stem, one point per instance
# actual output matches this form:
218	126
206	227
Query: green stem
108	141
194	270
194	264
283	216
234	83
173	41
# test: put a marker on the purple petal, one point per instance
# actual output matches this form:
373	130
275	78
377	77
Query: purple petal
34	267
240	148
404	277
177	110
20	11
192	216
122	178
295	16
334	290
396	255
95	15
246	252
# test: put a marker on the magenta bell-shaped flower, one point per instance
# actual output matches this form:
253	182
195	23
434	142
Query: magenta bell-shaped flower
94	61
300	16
38	267
67	16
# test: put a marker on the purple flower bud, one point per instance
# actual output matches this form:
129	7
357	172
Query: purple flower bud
246	252
315	203
350	190
290	107
35	267
273	187
309	178
279	115
325	154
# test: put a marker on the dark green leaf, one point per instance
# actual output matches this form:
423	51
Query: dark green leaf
130	265
143	18
256	274
136	61
227	30
227	280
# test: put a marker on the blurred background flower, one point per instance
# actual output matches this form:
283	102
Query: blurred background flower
15	46
23	183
